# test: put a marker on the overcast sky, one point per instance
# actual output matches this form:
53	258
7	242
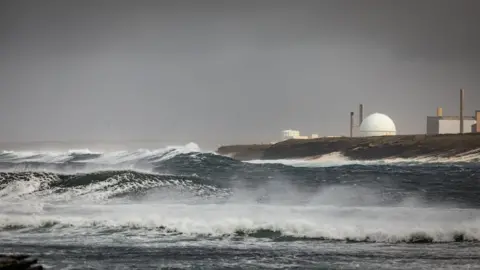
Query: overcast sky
216	72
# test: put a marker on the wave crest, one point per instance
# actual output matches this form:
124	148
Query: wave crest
97	157
229	229
97	186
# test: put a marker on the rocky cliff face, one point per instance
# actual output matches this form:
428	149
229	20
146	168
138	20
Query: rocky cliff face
404	146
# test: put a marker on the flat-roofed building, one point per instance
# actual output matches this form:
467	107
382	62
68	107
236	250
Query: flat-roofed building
449	124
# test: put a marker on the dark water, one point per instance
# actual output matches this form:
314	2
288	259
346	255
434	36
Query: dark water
180	209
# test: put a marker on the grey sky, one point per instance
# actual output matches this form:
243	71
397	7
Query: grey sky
217	72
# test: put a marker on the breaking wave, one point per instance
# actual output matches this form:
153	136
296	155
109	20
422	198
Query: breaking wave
184	193
91	160
85	160
233	221
276	234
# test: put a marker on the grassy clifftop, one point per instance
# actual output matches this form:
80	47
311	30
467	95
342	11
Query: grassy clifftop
405	146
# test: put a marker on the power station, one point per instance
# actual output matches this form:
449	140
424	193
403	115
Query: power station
442	124
379	124
376	124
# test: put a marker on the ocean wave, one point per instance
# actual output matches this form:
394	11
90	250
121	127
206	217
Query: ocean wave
184	192
98	157
213	178
289	229
98	186
148	156
172	158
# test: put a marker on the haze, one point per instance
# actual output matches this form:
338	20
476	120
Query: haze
216	72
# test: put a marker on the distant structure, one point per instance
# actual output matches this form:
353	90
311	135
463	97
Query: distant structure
441	124
476	126
351	124
360	114
354	128
295	134
377	124
461	112
292	134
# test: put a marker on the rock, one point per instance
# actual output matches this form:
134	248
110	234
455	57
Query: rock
362	148
18	262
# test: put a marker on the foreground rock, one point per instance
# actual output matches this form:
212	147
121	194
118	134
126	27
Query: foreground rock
361	148
18	262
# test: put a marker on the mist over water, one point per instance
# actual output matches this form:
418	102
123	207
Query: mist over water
182	198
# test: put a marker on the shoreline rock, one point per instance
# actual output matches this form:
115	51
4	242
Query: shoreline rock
360	148
18	262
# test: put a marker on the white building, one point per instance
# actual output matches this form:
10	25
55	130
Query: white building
377	124
292	134
449	124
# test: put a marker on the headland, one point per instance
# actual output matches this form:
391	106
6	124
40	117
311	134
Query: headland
360	148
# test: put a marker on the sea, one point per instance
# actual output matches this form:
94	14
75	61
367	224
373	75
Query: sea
180	207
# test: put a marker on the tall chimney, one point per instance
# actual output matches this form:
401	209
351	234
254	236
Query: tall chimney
360	115
461	111
351	124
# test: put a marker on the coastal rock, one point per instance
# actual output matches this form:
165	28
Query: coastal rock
360	148
18	262
244	152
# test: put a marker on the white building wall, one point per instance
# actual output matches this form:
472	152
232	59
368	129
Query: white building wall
290	134
377	133
452	126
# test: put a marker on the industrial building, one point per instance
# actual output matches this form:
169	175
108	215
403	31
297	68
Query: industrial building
292	134
376	124
476	127
450	124
295	134
441	124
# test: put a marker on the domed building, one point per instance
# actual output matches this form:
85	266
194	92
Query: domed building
377	124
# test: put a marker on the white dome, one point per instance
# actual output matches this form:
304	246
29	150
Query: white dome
377	124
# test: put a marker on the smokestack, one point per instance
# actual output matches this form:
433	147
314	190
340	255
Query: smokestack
351	124
360	115
439	112
461	111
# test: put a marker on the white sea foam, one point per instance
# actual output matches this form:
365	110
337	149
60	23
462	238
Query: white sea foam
330	222
98	156
93	160
338	159
89	211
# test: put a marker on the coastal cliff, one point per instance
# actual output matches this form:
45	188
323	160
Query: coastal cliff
361	148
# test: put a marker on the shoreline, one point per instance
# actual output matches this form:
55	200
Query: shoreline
359	148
